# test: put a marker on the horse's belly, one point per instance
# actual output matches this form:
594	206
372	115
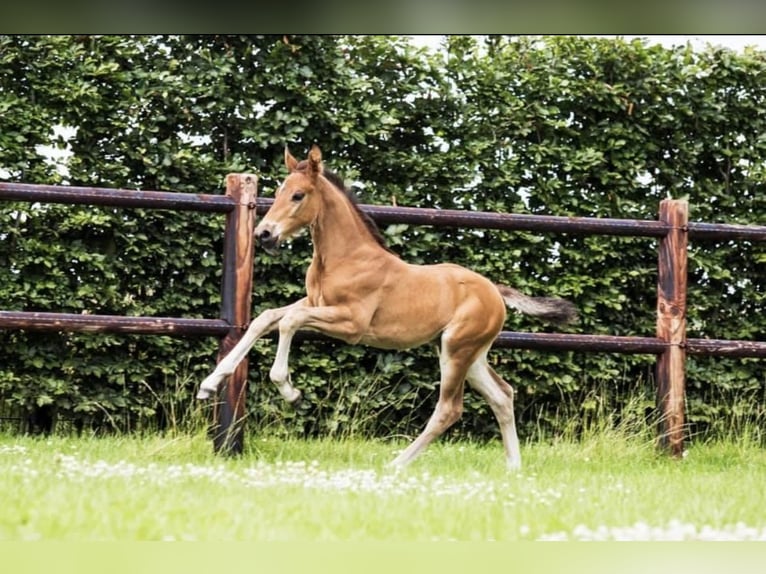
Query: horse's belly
404	329
397	341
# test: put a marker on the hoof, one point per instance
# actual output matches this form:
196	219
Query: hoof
296	400
210	385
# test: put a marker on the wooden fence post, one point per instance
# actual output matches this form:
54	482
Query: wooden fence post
671	324
236	295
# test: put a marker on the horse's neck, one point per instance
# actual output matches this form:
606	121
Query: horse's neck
339	232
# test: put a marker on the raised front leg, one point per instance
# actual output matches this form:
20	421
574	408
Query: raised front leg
264	323
338	322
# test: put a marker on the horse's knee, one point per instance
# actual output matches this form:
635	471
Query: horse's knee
279	375
267	320
289	323
448	413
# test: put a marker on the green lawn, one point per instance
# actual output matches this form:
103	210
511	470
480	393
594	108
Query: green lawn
173	488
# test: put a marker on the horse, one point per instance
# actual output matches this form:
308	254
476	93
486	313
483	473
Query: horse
360	292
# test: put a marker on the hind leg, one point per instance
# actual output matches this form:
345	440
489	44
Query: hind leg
449	407
499	395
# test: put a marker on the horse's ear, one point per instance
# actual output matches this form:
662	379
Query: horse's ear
290	162
315	161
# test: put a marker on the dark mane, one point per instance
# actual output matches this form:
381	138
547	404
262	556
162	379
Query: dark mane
338	183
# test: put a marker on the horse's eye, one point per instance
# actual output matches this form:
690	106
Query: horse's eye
298	196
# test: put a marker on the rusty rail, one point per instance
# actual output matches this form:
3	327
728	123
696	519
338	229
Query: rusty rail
547	223
116	197
503	221
172	326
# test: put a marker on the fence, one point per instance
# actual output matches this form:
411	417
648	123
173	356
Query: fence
236	286
241	204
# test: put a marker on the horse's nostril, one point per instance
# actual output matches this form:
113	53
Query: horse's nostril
268	240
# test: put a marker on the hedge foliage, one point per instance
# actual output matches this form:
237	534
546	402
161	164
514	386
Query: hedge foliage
559	125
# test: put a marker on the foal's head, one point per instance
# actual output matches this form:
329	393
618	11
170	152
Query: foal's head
296	203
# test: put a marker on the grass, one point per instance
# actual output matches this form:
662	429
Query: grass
608	485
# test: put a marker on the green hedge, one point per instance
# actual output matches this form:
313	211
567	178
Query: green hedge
559	125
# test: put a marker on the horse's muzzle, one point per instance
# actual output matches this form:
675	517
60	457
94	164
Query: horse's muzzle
269	241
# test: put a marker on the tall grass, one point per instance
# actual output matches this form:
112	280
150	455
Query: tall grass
343	408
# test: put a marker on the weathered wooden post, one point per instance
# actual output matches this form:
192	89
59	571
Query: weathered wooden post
671	324
236	294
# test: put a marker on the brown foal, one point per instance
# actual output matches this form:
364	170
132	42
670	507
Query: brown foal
359	292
